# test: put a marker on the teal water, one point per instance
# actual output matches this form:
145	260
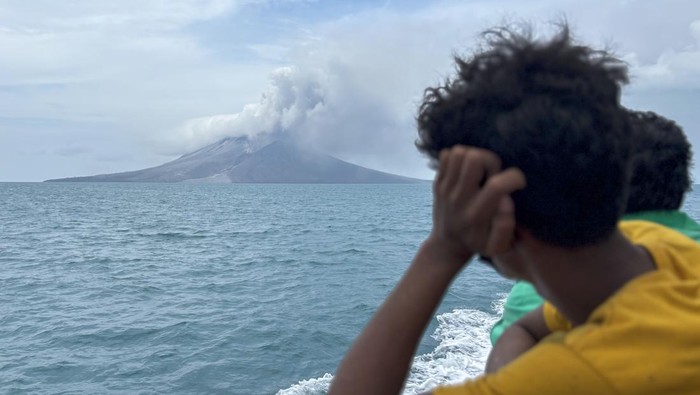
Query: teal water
198	289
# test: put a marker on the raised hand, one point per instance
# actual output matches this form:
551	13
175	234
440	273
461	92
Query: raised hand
472	210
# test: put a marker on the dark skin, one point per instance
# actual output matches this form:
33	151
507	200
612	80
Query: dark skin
517	339
469	219
466	218
628	262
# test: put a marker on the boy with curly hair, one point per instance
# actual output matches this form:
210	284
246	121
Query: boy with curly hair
533	159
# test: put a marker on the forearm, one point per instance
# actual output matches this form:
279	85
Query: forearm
469	215
379	360
517	339
514	342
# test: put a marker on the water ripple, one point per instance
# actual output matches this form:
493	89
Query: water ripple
198	289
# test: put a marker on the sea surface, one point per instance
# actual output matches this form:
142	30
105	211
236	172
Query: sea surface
203	289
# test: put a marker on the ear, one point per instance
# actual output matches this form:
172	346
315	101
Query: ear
524	243
527	246
511	263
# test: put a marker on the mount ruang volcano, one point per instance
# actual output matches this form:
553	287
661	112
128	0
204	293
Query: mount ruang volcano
238	160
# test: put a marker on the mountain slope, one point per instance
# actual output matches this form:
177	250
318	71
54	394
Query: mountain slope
198	164
236	160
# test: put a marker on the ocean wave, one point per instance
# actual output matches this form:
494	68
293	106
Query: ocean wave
176	235
461	353
309	387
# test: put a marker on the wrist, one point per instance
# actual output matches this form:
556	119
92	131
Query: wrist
442	253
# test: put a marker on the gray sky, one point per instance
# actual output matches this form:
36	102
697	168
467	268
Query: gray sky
101	86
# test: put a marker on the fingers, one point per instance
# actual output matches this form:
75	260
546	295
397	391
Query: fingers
461	171
489	208
442	170
485	204
478	217
478	165
502	231
453	171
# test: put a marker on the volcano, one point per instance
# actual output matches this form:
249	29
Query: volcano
238	160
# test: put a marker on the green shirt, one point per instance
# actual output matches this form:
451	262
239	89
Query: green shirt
523	297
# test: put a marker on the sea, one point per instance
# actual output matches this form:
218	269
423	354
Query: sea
217	289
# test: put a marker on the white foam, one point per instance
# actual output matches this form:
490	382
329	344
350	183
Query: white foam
463	346
309	387
462	350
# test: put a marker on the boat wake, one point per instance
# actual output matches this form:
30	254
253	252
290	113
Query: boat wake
463	346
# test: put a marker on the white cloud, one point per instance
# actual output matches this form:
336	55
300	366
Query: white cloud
351	85
78	38
125	64
72	15
673	69
356	82
352	91
291	100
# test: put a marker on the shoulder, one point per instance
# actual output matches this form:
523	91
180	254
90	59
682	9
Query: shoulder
554	320
647	232
549	368
670	249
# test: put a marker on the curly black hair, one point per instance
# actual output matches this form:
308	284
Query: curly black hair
661	158
550	108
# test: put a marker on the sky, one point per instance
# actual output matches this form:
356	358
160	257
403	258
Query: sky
100	86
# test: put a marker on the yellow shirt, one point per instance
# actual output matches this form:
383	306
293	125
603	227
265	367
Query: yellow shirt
645	339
